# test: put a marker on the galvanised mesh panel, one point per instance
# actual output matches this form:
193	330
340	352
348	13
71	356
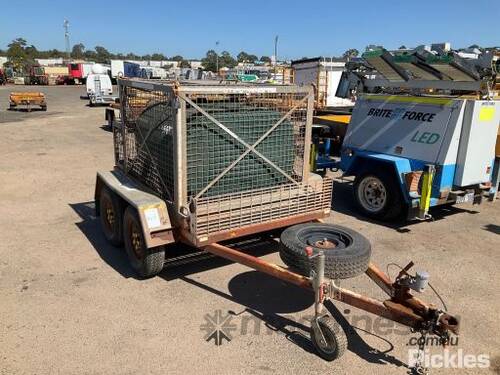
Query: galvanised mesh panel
211	150
149	120
236	138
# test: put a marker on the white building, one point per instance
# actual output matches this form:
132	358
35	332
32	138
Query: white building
195	64
48	62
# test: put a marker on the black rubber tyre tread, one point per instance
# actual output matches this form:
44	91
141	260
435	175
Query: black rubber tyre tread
115	237
344	263
332	331
154	258
395	206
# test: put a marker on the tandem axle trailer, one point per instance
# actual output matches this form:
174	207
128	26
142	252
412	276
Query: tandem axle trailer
162	192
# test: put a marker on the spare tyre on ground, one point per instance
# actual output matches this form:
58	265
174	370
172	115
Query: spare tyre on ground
347	252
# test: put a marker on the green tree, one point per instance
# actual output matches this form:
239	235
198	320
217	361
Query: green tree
209	62
132	56
16	53
90	55
350	53
265	59
102	54
78	51
31	52
245	57
227	60
177	58
54	53
185	64
158	57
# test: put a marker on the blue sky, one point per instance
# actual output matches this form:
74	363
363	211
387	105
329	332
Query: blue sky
305	28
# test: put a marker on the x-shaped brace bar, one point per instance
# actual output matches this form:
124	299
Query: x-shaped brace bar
250	148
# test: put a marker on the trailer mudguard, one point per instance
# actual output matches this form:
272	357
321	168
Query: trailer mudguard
152	210
364	160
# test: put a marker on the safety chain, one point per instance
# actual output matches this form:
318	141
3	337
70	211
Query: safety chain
418	367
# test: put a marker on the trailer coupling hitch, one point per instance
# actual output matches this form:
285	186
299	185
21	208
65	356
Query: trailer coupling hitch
436	321
443	324
418	283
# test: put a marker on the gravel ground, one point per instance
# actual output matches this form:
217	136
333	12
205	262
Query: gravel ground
70	304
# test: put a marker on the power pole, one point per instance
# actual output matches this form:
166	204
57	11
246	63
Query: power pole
217	58
66	37
275	54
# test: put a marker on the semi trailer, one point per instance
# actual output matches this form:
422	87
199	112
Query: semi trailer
78	72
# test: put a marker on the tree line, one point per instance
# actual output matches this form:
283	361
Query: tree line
21	55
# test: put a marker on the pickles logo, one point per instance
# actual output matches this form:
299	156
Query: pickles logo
401	114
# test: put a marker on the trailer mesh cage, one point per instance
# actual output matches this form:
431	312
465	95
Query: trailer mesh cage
231	155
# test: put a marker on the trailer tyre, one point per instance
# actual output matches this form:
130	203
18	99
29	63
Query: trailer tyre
335	342
378	196
147	262
110	213
347	252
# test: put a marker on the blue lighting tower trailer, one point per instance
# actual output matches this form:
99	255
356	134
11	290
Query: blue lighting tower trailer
409	153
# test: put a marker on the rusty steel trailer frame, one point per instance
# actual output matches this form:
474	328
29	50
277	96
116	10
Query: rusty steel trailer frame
402	307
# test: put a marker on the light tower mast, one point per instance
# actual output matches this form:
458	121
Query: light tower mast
66	37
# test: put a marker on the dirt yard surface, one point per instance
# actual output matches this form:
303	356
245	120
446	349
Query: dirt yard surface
70	303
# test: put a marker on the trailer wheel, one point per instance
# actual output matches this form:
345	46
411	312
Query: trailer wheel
334	344
44	108
378	196
147	262
110	213
347	252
